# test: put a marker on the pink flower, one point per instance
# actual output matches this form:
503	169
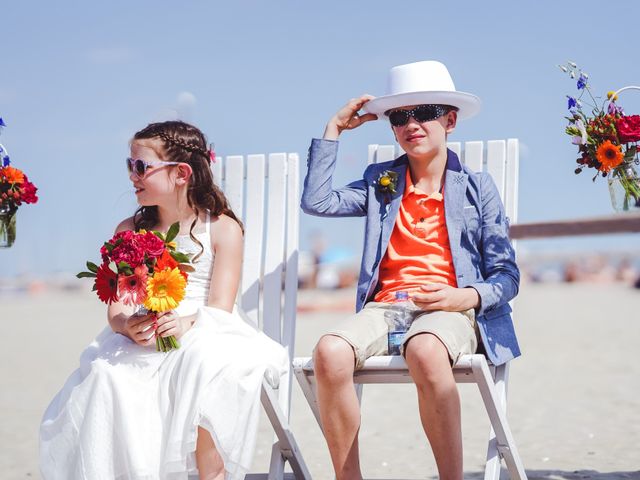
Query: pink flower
124	249
150	244
132	289
28	192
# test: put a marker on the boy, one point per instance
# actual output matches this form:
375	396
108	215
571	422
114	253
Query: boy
434	229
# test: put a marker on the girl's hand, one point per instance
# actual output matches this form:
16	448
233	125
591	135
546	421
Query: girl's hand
438	296
139	328
347	118
169	323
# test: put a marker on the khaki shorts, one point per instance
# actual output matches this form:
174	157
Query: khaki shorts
367	331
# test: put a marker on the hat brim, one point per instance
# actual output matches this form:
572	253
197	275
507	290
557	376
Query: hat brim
468	105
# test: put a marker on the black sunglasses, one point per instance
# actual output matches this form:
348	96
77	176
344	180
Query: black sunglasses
422	113
140	167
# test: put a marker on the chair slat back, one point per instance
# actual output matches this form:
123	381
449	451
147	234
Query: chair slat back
263	191
500	158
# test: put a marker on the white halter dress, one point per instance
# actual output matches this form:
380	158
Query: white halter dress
129	412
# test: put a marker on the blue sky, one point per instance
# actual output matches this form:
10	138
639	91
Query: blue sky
77	79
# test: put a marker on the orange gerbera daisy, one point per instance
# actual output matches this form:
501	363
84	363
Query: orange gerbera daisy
609	156
11	174
165	290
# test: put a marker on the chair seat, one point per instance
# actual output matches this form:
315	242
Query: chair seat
393	368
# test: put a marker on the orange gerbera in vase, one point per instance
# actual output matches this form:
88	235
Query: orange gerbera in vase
609	156
12	174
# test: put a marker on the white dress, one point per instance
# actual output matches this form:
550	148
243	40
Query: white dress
129	412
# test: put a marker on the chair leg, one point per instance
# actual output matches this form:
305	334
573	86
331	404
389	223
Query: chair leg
504	441
492	468
307	385
286	447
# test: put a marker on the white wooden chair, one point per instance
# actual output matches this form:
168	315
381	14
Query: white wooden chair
502	159
264	194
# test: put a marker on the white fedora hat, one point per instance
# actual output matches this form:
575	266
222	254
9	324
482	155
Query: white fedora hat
423	83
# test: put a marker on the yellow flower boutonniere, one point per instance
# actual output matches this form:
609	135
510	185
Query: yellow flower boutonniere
387	181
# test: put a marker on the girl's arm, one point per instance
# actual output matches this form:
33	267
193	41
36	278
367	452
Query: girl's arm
227	243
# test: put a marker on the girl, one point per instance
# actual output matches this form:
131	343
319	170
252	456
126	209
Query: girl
130	412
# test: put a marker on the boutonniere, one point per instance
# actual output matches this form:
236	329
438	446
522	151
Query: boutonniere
387	182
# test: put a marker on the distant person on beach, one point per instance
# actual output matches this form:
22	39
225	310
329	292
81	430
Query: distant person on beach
131	412
434	229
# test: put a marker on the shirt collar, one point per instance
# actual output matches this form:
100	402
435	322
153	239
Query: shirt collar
410	188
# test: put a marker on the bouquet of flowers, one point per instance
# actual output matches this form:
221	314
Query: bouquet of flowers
142	269
15	189
607	139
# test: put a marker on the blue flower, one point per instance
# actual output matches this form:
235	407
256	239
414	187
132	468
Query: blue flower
2	124
582	81
5	161
572	102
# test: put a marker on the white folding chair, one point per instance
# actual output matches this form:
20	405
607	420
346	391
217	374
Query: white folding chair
264	194
502	163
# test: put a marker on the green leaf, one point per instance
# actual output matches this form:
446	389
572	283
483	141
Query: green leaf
86	275
113	267
158	234
108	246
123	265
185	267
173	232
180	257
92	267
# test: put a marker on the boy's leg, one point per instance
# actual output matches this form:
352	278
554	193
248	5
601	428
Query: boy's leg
336	356
438	401
334	362
434	343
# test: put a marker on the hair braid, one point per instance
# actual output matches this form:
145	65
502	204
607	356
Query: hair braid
184	143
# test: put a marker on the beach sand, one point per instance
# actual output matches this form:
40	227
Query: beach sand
574	395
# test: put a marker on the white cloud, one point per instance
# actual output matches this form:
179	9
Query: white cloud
183	108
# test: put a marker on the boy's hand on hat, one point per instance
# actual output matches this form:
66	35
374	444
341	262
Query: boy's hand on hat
439	296
347	118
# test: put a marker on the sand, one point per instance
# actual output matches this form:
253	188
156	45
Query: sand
574	398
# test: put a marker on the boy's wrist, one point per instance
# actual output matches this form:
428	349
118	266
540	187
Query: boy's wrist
473	298
331	132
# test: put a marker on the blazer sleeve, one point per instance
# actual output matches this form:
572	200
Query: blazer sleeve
319	197
499	268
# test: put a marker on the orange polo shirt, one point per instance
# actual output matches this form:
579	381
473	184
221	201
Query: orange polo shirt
418	250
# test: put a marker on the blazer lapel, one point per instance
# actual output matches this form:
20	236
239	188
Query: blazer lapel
390	209
455	187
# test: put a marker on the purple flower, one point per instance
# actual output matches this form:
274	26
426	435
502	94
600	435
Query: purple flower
5	161
572	102
2	124
582	81
614	109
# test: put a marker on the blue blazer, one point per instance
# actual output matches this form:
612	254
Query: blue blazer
483	257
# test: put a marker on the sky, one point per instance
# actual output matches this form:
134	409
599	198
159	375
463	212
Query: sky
78	79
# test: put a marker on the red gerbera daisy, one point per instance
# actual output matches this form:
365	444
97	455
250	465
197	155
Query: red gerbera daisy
106	284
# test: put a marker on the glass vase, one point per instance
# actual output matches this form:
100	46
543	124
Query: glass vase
624	187
7	227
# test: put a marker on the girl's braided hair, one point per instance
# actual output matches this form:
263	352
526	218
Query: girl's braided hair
185	143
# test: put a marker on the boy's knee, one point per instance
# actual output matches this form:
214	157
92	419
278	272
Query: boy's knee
333	358
428	358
